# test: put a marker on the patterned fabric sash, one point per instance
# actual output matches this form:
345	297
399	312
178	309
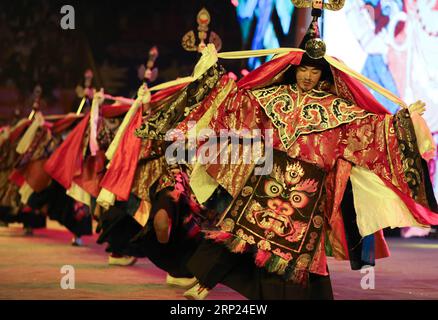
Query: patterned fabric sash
279	217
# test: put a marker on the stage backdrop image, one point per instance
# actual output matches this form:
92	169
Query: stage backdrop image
394	43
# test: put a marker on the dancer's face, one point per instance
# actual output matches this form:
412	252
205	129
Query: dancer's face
307	77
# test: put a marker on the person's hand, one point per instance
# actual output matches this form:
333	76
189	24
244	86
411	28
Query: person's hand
144	94
417	107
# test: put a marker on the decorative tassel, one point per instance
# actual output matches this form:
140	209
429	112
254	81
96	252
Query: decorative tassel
289	271
262	258
271	264
301	277
282	266
237	245
218	236
276	264
368	250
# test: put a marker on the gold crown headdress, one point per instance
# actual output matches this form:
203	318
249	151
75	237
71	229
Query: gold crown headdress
87	84
312	43
86	91
189	40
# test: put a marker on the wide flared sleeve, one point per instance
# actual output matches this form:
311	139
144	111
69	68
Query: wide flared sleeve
389	177
239	113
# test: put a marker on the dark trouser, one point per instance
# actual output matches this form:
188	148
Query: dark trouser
171	257
127	237
213	263
33	220
29	219
61	208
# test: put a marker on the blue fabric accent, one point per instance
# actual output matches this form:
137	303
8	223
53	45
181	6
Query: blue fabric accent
376	70
263	12
368	250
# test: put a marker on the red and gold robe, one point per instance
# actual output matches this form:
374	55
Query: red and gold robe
320	141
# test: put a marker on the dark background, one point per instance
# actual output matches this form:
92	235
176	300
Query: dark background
112	38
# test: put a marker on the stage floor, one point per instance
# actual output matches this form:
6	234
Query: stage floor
30	268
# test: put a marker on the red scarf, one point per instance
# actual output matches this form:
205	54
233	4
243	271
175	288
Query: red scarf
262	75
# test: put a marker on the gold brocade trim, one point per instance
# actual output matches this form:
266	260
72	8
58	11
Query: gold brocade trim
387	143
10	197
146	175
341	88
158	125
339	252
209	114
233	176
336	183
203	185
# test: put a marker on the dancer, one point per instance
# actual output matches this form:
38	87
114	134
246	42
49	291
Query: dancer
78	164
332	143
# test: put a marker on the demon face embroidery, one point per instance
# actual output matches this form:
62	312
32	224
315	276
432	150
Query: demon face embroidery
282	196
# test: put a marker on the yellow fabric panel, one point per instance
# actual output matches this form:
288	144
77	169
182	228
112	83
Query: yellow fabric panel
201	183
25	192
106	199
377	206
208	59
79	194
425	141
204	122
